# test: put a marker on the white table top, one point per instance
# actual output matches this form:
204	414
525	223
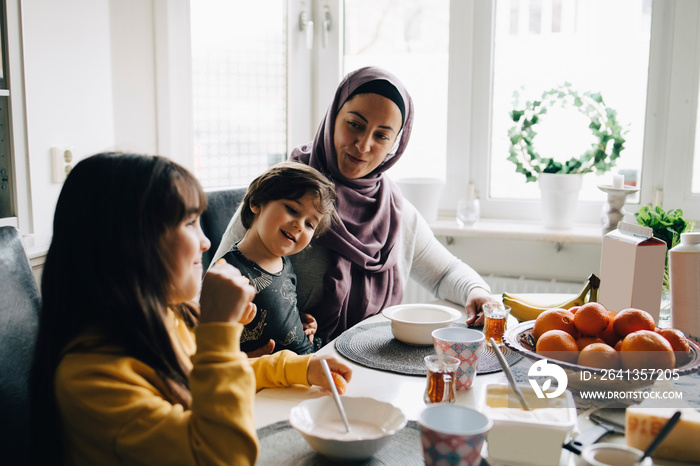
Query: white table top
403	391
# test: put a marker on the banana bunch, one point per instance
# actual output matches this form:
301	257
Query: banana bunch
523	310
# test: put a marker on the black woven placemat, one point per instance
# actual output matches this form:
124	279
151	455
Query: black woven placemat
373	345
281	444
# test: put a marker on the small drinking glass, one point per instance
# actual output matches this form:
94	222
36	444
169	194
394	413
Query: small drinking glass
468	212
441	386
495	315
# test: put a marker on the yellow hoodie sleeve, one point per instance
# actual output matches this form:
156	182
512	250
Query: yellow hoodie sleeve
280	369
113	412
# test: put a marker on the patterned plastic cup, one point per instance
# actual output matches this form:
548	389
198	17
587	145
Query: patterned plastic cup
452	434
464	344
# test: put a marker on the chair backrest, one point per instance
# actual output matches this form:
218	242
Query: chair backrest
221	205
19	322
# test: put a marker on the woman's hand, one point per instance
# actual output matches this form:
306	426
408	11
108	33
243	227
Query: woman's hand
226	295
310	325
316	376
477	298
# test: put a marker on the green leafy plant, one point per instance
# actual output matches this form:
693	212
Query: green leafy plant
600	158
666	225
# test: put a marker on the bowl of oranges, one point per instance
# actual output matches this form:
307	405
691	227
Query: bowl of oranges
604	350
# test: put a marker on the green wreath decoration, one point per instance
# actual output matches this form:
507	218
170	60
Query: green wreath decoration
600	158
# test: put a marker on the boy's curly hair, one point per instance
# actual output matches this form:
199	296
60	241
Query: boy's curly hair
291	180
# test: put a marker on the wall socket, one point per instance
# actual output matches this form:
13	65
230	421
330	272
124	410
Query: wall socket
62	161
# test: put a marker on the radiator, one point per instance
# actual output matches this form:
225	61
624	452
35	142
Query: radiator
415	293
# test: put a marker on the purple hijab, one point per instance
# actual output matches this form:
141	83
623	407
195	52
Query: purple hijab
363	278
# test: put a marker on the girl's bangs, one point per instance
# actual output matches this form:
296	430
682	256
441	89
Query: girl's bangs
191	194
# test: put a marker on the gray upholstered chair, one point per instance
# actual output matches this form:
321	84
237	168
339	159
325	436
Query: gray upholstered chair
19	318
221	205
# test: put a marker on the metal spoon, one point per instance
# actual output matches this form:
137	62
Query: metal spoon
509	374
665	430
334	390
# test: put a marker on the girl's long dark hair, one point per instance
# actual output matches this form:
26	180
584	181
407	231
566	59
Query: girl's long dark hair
107	272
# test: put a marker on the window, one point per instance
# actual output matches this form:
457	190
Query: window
601	46
537	45
239	74
410	39
461	61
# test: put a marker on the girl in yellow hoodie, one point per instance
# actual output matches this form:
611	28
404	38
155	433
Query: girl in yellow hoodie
128	368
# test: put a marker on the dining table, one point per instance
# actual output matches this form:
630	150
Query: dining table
282	445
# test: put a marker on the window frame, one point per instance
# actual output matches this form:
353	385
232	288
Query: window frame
302	117
682	94
669	133
672	100
674	68
665	16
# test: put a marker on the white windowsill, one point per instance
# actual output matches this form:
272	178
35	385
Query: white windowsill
518	230
36	246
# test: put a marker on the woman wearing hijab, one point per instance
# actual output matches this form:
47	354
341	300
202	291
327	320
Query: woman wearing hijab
362	264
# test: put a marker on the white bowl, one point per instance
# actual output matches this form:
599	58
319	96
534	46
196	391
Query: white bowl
414	323
372	422
602	454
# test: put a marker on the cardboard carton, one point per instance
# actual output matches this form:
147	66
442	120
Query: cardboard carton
632	269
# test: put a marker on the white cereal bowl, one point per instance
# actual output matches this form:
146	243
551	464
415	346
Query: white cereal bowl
414	323
372	422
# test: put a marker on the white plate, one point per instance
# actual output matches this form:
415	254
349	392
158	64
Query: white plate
519	339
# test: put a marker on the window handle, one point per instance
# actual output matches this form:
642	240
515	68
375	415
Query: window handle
307	26
326	25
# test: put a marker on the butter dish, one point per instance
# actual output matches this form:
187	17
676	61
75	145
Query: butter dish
527	437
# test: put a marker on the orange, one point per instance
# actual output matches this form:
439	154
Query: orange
574	309
591	319
618	345
608	335
557	344
340	383
645	349
679	344
631	319
555	319
599	355
587	340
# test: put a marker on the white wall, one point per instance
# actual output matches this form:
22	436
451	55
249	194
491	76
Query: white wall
68	90
133	75
531	259
89	84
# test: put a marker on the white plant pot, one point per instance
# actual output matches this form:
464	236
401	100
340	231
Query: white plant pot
424	194
559	199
